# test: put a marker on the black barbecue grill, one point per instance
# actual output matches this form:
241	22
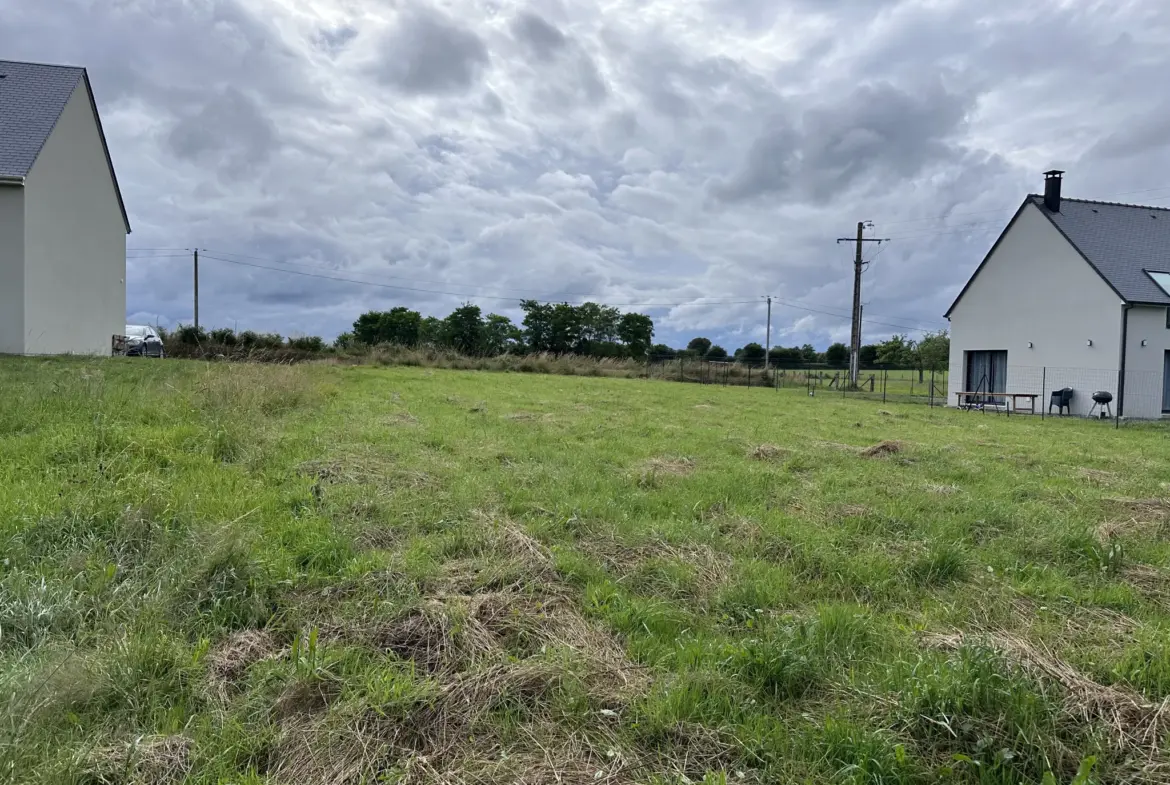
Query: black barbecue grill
1101	401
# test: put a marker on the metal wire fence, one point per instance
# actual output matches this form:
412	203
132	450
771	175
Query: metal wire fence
1032	390
884	384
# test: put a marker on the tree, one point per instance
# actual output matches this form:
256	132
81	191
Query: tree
751	353
837	355
699	346
636	331
597	325
808	353
780	355
716	353
500	336
463	330
867	355
933	352
430	331
896	351
398	325
661	351
551	328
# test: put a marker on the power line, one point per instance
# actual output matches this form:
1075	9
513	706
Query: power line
459	294
554	300
413	280
707	301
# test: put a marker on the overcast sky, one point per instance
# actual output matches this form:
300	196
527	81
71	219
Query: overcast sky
696	153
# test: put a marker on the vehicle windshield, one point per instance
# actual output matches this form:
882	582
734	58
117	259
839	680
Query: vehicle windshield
135	331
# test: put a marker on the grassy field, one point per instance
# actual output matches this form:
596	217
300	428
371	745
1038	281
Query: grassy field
217	573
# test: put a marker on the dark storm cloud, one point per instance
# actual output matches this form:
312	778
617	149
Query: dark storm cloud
538	35
333	40
567	75
428	52
879	130
643	152
230	130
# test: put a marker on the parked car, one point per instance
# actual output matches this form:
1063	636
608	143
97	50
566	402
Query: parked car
143	341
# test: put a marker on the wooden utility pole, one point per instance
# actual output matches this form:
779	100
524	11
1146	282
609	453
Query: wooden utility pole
196	252
768	336
855	336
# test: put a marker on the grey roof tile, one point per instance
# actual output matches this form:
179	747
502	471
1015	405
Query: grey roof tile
32	97
1121	240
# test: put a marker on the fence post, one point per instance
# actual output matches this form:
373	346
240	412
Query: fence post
680	367
1121	391
1043	389
932	388
749	382
885	377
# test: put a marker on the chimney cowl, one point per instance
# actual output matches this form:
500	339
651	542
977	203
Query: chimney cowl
1052	181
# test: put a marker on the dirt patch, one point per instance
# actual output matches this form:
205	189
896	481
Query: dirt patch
883	449
228	662
668	465
768	452
1135	726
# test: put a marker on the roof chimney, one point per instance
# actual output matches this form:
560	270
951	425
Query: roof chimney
1052	190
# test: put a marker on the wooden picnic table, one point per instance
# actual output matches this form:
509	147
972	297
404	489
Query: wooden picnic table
1031	398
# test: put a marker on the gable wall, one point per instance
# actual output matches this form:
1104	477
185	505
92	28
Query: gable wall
75	241
1036	287
11	269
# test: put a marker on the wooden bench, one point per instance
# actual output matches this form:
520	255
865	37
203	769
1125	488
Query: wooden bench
1015	398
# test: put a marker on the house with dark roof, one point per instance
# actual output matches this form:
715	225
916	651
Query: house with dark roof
1074	294
63	224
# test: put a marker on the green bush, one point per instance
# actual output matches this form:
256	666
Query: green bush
224	335
307	343
190	334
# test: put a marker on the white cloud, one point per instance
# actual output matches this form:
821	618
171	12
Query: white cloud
659	151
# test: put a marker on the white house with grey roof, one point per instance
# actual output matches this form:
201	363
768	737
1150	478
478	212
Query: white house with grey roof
63	225
1074	293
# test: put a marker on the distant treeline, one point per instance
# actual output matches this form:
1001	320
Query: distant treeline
588	330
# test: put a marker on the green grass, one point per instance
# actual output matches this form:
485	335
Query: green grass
218	573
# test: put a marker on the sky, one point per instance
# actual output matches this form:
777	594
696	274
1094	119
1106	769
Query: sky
683	159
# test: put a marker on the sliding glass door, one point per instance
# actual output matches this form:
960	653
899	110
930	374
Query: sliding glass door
986	375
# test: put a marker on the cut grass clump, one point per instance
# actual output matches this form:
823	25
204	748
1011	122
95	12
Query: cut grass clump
768	452
883	449
942	564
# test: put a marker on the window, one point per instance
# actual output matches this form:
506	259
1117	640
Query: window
1162	279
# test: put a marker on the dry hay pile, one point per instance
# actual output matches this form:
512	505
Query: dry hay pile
480	653
676	466
227	662
768	452
883	449
1134	726
149	760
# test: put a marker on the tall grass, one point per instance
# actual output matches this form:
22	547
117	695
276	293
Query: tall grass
338	572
